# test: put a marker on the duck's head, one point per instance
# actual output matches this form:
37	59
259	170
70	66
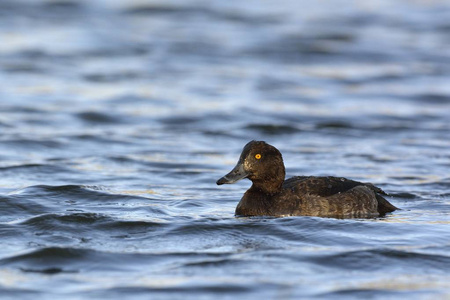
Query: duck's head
262	164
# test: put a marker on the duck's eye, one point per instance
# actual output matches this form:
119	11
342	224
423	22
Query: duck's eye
258	156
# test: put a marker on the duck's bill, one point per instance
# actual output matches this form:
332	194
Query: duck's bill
236	174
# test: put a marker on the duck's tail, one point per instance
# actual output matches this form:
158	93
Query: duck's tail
384	206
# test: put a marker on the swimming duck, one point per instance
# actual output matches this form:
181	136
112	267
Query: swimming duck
271	195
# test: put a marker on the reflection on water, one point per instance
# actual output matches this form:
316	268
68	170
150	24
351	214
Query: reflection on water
117	118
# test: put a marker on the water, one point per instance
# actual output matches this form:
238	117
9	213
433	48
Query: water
117	118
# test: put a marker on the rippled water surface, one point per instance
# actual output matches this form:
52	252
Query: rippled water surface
117	118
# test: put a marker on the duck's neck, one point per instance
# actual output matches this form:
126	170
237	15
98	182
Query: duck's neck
270	186
271	181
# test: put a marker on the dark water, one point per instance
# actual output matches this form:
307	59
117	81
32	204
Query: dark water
117	118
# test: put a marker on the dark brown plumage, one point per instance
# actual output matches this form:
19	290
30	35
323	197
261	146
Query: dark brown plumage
271	195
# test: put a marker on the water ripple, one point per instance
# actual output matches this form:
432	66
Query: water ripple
117	118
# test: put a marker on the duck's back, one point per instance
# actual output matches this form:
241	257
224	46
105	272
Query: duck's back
336	197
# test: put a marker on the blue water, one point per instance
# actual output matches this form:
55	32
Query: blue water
117	117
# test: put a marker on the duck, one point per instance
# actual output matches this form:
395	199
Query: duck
271	195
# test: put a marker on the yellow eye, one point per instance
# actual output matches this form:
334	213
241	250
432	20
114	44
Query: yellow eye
258	156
